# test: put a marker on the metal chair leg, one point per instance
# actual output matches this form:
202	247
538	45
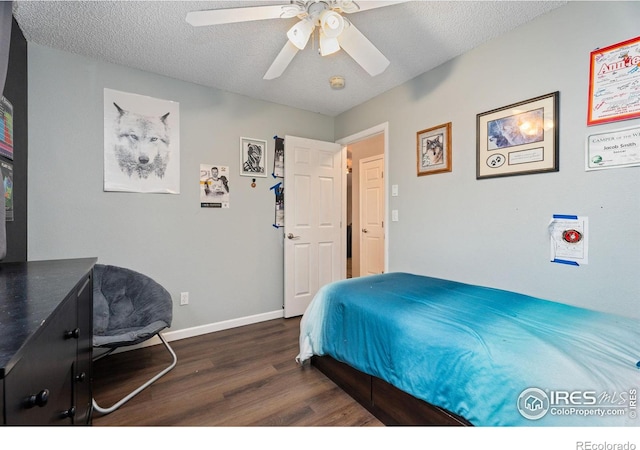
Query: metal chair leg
117	405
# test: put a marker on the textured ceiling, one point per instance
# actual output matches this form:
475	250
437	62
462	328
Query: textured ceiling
153	36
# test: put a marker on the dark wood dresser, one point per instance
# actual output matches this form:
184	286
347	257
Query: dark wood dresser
46	334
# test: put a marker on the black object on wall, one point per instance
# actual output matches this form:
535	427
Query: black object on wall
15	91
3	230
5	39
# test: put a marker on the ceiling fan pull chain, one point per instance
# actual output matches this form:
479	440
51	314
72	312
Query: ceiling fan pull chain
315	34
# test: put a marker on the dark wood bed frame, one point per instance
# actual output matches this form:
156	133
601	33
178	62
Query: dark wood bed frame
388	403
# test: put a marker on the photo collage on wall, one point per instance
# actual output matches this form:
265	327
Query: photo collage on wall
278	189
6	151
7	182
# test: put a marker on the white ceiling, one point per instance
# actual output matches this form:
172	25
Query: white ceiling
153	36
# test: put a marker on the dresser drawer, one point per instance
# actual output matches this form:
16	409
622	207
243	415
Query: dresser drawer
39	388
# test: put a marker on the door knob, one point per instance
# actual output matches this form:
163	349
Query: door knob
72	334
364	230
291	236
69	413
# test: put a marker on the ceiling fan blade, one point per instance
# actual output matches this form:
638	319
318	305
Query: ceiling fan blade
362	50
348	6
232	15
282	61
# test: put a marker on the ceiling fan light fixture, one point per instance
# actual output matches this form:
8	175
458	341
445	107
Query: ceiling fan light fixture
331	23
328	45
300	33
348	6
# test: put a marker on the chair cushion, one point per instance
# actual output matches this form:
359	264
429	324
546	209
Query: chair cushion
121	309
122	337
100	305
129	307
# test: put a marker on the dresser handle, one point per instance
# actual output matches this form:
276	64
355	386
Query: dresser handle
73	334
71	412
81	377
40	399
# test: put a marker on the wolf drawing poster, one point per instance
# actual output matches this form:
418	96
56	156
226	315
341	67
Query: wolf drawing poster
141	144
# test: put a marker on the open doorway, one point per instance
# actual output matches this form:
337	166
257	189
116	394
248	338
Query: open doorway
365	242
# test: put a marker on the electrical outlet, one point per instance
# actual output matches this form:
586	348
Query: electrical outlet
184	298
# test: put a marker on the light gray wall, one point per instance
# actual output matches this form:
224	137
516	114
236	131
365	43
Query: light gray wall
490	232
493	232
229	260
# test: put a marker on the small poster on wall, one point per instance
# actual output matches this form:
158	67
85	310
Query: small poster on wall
279	191
278	163
6	128
7	182
214	186
253	157
141	143
569	239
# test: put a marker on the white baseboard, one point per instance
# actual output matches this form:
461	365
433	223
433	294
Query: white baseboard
185	333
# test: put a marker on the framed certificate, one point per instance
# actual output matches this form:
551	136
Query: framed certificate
613	149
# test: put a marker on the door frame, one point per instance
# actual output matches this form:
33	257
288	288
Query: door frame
382	128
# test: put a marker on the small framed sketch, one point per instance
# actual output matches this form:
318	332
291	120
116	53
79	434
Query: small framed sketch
253	157
434	150
518	139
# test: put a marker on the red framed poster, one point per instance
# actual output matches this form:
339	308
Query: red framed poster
614	83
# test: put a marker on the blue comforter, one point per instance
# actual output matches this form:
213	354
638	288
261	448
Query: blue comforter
494	357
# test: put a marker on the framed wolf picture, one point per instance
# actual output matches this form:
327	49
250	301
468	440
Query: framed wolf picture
518	139
434	150
141	143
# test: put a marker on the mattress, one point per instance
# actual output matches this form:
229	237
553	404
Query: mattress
494	357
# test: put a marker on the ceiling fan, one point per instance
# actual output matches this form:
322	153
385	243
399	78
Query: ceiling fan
335	31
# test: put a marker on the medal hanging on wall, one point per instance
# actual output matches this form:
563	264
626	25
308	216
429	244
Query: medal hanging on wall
571	236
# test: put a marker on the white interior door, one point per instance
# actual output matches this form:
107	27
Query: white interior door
371	215
314	252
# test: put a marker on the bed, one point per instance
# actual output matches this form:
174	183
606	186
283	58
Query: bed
426	351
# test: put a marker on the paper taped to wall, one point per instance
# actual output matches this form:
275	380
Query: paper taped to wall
568	237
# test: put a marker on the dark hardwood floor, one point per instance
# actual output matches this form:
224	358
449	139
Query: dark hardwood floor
245	376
